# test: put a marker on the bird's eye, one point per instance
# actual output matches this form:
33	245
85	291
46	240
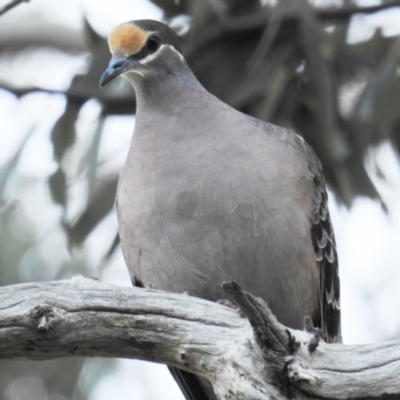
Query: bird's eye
153	43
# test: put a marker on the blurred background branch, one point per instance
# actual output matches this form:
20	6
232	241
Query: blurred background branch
9	6
124	102
350	10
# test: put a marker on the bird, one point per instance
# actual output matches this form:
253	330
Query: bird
209	194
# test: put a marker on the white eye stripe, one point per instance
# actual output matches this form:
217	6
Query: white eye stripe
153	56
177	52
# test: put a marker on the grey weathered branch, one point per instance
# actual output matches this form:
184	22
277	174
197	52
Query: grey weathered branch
244	358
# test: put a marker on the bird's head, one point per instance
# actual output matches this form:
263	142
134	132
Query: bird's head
139	49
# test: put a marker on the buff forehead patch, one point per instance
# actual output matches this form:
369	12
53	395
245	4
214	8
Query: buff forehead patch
127	39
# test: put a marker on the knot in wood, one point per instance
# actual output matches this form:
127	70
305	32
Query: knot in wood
300	373
44	316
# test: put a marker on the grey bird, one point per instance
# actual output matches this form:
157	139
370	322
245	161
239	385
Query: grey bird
209	194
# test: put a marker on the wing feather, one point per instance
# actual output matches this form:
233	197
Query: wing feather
327	316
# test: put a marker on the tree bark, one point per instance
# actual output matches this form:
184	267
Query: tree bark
244	358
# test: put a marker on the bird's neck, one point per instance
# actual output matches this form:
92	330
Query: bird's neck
166	93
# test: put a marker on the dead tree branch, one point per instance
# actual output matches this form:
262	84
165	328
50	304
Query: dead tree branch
257	360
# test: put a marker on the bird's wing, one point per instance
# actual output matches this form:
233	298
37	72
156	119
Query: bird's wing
327	316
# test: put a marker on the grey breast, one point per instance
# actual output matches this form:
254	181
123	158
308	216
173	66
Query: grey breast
209	194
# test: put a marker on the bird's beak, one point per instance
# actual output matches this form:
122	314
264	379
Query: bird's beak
116	67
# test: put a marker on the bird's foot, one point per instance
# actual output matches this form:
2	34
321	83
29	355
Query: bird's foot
230	304
314	342
317	334
292	342
149	285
